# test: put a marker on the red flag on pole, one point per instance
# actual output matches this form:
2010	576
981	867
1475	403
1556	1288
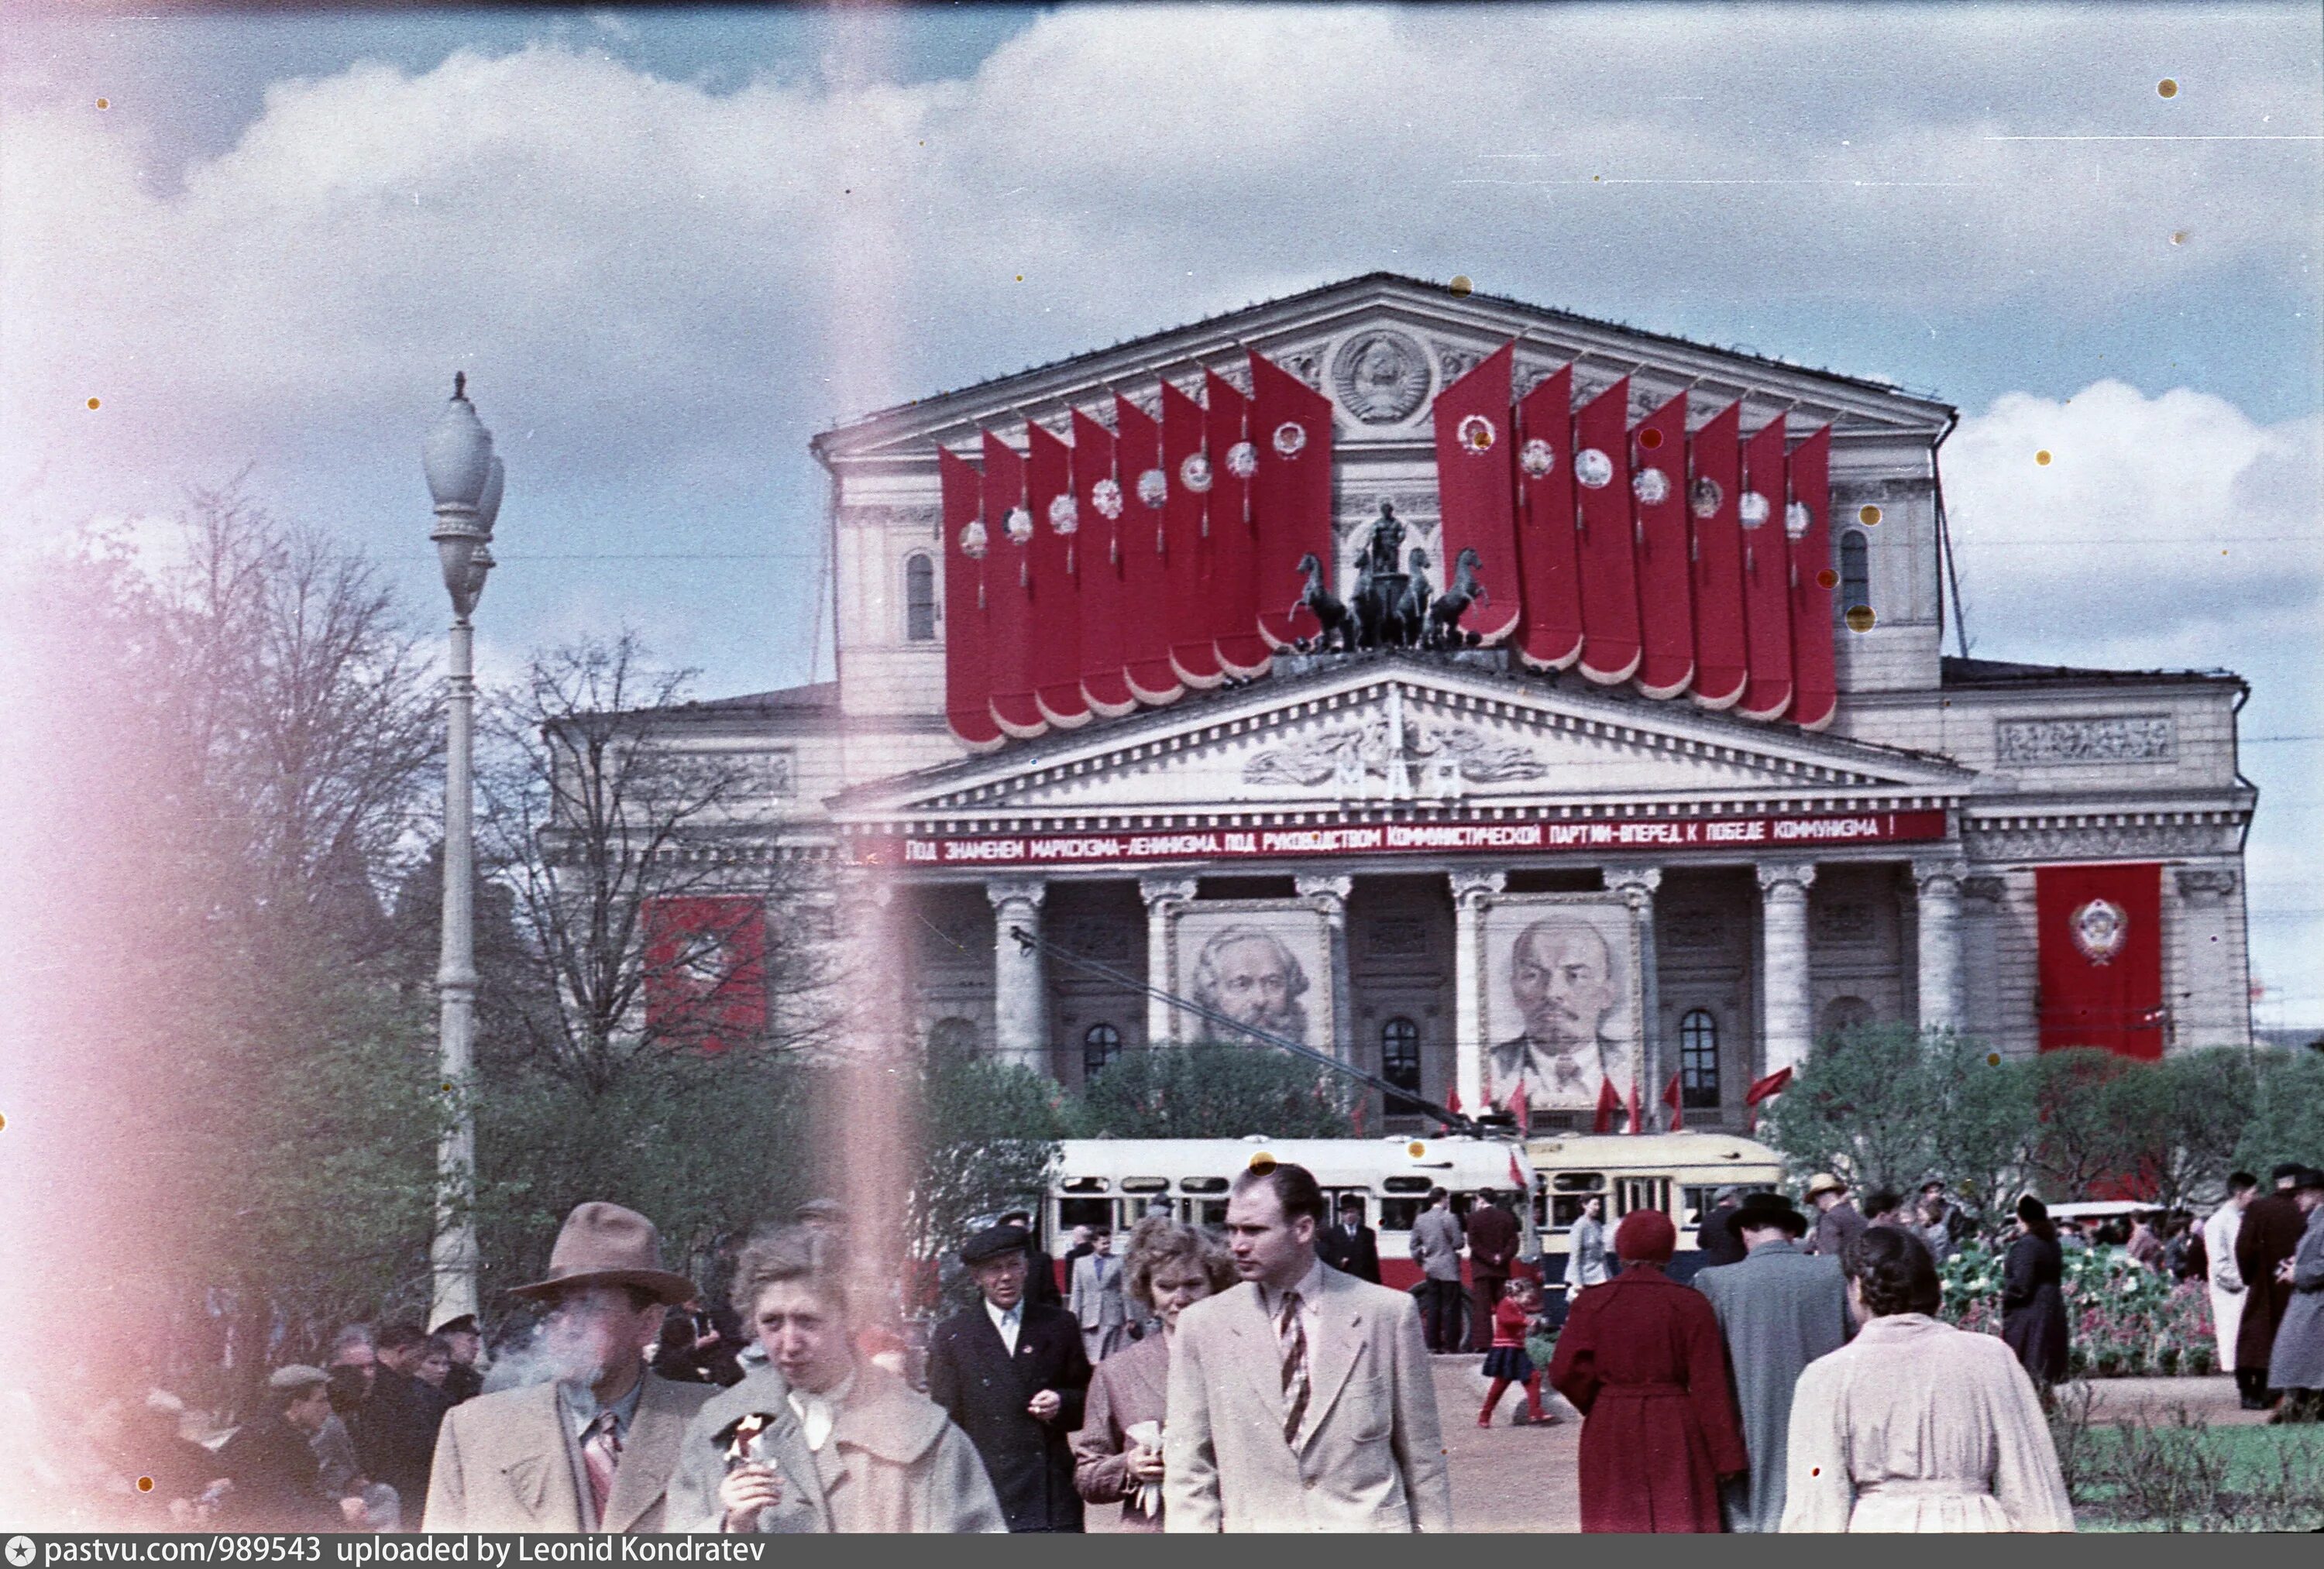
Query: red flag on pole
1476	490
1186	526
1145	561
1097	502
1767	576
1290	496
1722	660
1665	573
1611	648
1520	1111
1807	524
968	691
1234	580
1637	1117
1608	1105
1547	530
1673	1098
1763	1089
1057	587
1452	1102
1008	589
1517	1177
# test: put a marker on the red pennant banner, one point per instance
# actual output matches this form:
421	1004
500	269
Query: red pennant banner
1637	1116
1721	656
1665	573
705	975
1767	576
1548	538
1610	646
1186	526
1520	1110
1233	589
1145	556
1761	1089
1097	558
1476	494
1290	497
1675	1098
1807	525
1056	589
1008	589
968	692
1610	1106
2098	955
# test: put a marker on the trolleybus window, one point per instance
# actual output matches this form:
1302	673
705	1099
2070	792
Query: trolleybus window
1145	1185
1203	1185
1641	1193
1331	1197
1569	1191
1097	1214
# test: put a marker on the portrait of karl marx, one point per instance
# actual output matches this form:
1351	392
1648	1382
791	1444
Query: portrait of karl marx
1247	973
1562	980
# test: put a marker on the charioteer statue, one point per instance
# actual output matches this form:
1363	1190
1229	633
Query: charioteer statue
1394	605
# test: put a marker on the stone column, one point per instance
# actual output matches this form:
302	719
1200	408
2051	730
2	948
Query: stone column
1162	894
1329	897
1785	1027
1983	1009
1471	892
1020	992
1939	884
1637	885
2207	982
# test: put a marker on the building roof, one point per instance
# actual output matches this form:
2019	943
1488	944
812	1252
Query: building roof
2003	673
820	697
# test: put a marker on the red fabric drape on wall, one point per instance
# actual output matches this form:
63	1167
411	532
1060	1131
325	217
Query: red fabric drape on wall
705	977
1767	576
1722	659
1550	638
1234	550
1476	490
1145	560
1008	589
1658	502
2100	951
1185	526
1097	557
1611	648
968	692
1056	583
1815	685
1290	496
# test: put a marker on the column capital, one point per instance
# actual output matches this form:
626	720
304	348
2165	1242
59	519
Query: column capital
1930	876
1160	890
1471	887
1992	890
2196	882
1003	891
1795	876
1329	895
1635	884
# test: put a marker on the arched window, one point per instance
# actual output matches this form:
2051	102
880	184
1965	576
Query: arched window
919	599
1100	1044
1698	1059
1400	1061
1855	572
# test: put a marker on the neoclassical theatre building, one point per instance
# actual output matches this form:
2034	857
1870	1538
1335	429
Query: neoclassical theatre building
1509	703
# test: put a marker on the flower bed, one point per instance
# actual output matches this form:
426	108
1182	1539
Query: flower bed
2123	1321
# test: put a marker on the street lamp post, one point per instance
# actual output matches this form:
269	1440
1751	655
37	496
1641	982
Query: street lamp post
465	480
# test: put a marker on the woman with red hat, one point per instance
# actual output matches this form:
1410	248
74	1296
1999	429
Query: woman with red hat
1640	1357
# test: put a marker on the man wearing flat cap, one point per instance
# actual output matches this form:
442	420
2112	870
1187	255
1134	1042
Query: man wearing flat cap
593	1450
1012	1375
1778	1309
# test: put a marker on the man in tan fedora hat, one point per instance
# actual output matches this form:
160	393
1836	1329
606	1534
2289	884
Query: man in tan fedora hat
593	1449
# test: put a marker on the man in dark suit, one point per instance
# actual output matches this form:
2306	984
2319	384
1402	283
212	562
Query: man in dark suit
395	1440
2269	1235
1012	1375
1493	1239
1714	1234
1351	1247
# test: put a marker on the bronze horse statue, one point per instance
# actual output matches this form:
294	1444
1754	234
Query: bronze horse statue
1338	627
1444	616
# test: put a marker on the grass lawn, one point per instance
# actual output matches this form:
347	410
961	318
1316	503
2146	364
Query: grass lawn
2167	1478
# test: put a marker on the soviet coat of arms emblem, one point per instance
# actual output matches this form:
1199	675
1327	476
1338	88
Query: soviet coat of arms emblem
2099	929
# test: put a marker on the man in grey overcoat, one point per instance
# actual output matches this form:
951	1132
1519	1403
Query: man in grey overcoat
1778	1310
2297	1364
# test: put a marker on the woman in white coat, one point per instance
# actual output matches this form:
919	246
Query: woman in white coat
1915	1426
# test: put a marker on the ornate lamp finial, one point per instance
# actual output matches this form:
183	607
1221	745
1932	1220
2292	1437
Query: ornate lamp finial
459	384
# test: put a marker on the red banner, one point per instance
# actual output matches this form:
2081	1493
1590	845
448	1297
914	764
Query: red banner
1658	503
1722	657
1476	493
1290	496
1009	591
1610	644
1548	537
2099	954
1186	528
1144	559
968	700
705	977
1056	589
1767	576
1097	557
1233	589
1807	523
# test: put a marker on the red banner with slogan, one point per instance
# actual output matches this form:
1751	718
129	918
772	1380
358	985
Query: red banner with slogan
1008	589
1547	539
1144	559
2099	953
705	976
1807	523
1234	552
1186	528
1290	497
968	702
1097	557
1610	646
1715	460
1658	500
1476	493
1056	588
1767	576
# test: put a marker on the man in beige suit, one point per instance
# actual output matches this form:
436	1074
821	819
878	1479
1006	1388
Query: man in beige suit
1300	1399
593	1450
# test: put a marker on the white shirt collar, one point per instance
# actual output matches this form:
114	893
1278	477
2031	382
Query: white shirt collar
1310	1289
1007	1321
817	1413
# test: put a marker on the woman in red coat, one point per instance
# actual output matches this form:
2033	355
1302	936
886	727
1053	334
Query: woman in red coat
1641	1358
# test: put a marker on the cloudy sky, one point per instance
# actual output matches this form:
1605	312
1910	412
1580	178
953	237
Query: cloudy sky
669	246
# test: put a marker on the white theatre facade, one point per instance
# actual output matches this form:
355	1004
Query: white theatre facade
1460	872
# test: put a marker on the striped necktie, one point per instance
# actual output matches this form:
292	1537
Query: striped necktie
1293	1334
601	1452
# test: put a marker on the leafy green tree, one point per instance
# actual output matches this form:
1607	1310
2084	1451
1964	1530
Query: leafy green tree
988	1137
1864	1107
1983	1122
2287	1117
1215	1090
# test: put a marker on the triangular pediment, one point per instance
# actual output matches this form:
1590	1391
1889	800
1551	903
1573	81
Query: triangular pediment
1394	733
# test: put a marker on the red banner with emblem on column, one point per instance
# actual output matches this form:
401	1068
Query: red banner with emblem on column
1097	557
1186	526
705	975
1767	576
1145	557
1547	539
1009	591
2098	949
1807	523
1715	462
1233	591
1665	573
968	692
1290	497
1056	589
1476	493
1610	645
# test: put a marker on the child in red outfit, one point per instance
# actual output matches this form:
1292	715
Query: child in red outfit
1507	1364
